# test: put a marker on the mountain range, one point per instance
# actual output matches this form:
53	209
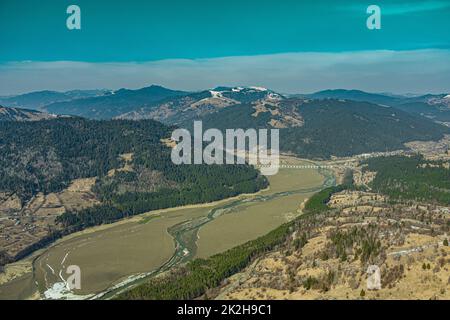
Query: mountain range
39	99
173	106
113	103
319	125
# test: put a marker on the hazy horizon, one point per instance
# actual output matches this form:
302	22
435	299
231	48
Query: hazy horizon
233	86
398	72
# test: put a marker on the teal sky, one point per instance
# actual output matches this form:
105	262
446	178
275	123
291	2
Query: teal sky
178	43
161	29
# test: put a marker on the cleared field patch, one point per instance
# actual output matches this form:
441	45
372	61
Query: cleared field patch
21	227
9	202
78	195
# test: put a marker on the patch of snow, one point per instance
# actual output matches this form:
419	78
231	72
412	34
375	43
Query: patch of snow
215	94
60	291
258	88
274	96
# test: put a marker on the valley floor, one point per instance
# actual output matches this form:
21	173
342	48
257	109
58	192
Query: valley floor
122	254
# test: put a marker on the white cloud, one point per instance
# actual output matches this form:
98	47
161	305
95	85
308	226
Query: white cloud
377	71
419	6
401	8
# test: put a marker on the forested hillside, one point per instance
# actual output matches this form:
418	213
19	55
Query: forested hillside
435	112
411	178
433	106
45	156
194	184
331	127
